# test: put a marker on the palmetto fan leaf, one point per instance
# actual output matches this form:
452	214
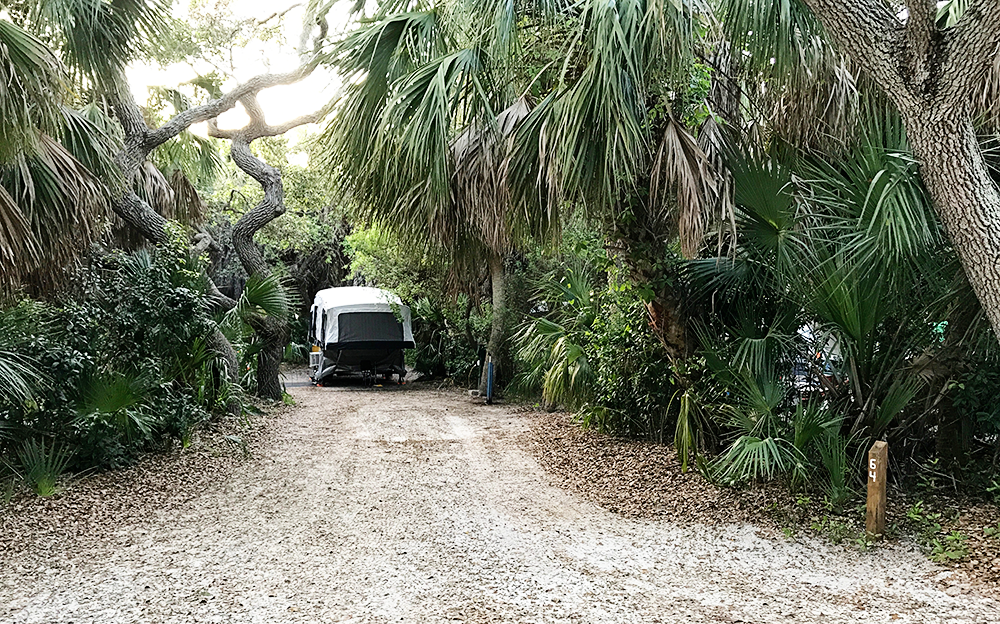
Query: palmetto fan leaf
197	157
873	201
64	206
263	296
31	91
18	378
92	144
100	37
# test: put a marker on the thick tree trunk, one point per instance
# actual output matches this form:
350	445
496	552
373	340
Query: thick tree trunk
936	78
273	332
965	197
274	335
668	325
497	344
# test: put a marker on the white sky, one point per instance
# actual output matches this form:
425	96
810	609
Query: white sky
280	103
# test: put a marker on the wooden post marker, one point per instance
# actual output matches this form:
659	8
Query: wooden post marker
878	462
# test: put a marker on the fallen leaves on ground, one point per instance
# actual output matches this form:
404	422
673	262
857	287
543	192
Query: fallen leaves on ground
91	508
641	479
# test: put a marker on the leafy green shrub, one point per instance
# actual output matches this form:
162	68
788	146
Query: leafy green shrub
634	382
973	394
446	336
591	349
123	366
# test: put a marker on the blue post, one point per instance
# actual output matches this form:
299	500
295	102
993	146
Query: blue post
489	380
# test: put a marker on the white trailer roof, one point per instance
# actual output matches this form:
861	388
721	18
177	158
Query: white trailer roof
355	295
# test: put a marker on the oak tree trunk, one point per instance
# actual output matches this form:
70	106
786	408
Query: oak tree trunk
965	197
273	332
936	78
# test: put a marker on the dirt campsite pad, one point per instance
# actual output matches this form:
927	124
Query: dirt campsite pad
409	504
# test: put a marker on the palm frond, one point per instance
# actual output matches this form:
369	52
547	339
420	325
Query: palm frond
263	296
189	207
199	158
948	13
681	164
91	143
757	459
18	378
481	185
18	248
31	91
100	37
43	466
780	38
599	130
64	205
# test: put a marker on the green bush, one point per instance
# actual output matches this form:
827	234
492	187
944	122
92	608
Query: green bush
590	348
446	336
123	366
633	378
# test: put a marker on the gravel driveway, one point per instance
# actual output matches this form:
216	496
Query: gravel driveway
407	504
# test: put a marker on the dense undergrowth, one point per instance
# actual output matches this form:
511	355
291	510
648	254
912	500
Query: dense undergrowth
120	365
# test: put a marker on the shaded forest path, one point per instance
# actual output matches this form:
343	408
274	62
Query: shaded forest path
407	504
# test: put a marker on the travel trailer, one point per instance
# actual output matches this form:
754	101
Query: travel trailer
359	330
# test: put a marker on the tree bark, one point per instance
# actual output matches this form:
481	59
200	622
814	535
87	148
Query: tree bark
966	198
933	77
497	344
272	331
668	324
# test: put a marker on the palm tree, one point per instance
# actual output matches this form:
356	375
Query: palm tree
418	139
422	138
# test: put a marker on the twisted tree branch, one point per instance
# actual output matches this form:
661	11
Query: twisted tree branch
273	332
